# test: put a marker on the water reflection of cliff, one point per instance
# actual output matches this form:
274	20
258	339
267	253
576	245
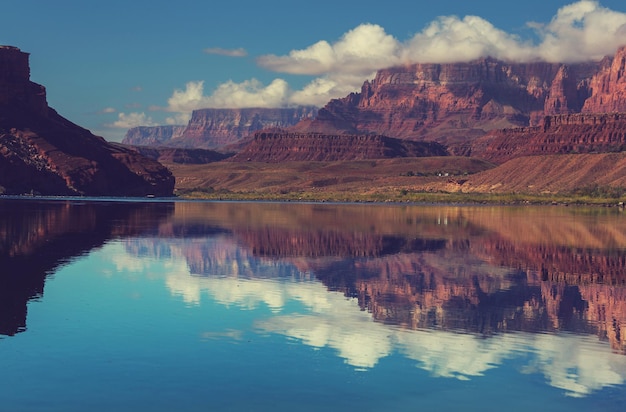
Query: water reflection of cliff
483	270
38	236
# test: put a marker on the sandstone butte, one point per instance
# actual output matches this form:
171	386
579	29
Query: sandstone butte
43	153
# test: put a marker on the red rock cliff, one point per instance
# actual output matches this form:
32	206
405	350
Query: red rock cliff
456	101
608	86
42	152
281	146
572	133
214	128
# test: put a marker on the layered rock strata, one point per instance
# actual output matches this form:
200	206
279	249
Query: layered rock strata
446	102
215	128
153	135
571	133
43	153
278	147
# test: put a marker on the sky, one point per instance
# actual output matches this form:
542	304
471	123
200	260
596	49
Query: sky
109	65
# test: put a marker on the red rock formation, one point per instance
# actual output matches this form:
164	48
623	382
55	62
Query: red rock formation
214	128
152	135
572	133
456	101
278	147
42	152
608	86
566	93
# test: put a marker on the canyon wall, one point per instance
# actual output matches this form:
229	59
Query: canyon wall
571	133
456	101
215	128
43	153
152	135
282	146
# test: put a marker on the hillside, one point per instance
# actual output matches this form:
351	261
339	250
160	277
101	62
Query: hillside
550	174
42	152
355	177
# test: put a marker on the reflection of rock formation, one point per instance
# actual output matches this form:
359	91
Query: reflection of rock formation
483	270
275	243
36	237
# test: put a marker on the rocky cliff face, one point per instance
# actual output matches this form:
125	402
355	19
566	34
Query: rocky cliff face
451	102
608	86
41	152
15	85
215	128
572	133
153	135
282	146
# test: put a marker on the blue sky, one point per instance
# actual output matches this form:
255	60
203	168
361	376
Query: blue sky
110	65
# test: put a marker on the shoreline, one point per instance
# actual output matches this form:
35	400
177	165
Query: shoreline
495	199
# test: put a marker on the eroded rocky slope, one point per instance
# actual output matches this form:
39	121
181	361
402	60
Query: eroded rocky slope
42	152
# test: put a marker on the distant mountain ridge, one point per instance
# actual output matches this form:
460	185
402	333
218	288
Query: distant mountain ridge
215	128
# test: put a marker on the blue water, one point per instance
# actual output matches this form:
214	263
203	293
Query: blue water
133	325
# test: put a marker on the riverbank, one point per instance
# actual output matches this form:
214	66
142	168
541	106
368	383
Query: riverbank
405	196
452	180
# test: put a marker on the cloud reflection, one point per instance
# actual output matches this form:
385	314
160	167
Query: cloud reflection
576	364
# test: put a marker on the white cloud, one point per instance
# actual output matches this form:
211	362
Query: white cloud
580	31
250	93
130	120
240	52
107	110
576	364
361	50
451	39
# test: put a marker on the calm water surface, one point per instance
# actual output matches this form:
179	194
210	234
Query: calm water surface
201	306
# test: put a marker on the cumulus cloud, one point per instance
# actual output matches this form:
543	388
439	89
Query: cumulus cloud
107	110
250	93
130	120
240	52
580	31
361	50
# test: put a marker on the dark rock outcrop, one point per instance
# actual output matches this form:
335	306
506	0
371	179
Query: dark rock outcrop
42	152
180	155
282	146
